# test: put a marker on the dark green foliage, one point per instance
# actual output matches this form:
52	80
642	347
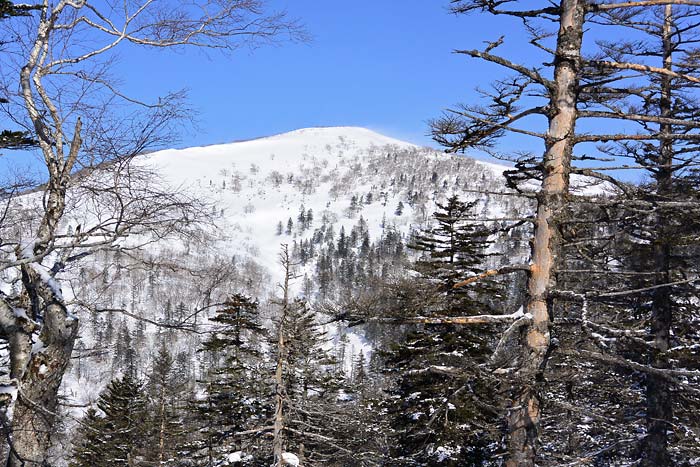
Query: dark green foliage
443	409
116	437
454	249
168	392
316	422
16	139
91	444
10	139
9	9
236	393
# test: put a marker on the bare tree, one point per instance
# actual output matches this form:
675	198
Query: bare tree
89	132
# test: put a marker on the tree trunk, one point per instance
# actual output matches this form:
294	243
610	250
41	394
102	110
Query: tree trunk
277	440
161	434
35	410
278	429
658	395
524	416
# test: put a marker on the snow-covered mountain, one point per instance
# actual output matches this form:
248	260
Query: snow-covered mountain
256	184
299	188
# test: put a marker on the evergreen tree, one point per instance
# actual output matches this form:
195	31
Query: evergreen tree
443	408
342	248
301	218
235	395
167	393
313	424
11	139
116	438
399	209
90	444
309	218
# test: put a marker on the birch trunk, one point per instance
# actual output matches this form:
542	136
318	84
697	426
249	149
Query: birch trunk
524	415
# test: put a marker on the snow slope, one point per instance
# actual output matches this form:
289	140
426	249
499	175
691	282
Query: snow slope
255	184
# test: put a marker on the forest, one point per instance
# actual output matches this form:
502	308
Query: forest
335	297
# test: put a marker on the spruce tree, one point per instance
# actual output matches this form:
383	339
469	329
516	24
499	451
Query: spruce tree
115	438
235	395
89	447
167	391
442	407
12	139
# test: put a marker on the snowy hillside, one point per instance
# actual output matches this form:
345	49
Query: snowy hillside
256	184
308	189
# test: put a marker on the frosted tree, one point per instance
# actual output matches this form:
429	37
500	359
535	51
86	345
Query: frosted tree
64	102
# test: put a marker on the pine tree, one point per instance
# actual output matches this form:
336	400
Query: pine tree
301	218
309	218
11	139
342	247
235	395
90	444
167	393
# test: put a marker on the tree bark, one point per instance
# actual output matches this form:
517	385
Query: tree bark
659	402
524	415
278	429
35	409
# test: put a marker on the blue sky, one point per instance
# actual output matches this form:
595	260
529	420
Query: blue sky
381	64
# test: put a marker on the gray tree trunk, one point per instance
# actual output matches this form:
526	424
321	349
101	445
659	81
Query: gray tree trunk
659	401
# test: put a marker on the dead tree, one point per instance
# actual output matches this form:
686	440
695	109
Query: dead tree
468	127
278	435
659	97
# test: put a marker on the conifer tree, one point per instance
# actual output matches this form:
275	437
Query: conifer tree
117	437
235	395
309	422
12	139
89	445
443	409
167	394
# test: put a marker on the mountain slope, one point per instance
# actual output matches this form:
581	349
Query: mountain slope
256	184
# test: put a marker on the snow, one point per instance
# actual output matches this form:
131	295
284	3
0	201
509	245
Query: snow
49	280
444	453
238	178
255	184
20	313
290	459
27	250
235	457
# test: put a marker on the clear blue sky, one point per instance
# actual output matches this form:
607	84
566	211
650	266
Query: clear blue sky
382	64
